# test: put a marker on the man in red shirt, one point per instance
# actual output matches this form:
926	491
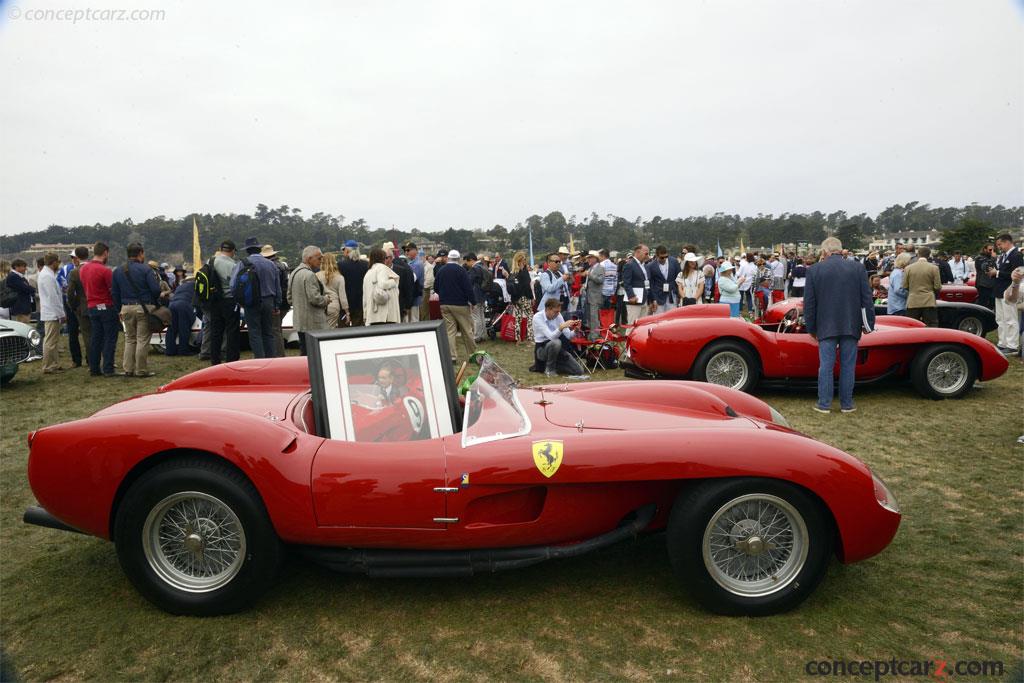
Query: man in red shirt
97	280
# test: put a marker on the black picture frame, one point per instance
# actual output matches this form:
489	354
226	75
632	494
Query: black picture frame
315	339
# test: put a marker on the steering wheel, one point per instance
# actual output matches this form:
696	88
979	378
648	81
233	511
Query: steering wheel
791	319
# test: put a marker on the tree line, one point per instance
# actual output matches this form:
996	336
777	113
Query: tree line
289	230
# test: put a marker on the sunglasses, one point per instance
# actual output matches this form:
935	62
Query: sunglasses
554	260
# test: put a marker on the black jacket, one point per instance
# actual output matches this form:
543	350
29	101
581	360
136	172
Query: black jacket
1005	265
406	283
353	271
982	262
26	294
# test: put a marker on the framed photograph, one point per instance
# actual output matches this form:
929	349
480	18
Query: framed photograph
383	382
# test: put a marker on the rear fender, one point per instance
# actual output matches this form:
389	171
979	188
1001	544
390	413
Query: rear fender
76	470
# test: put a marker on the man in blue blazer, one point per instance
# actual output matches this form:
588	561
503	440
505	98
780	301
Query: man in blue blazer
661	272
636	283
837	307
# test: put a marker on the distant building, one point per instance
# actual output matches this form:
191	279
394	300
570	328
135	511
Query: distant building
910	238
60	248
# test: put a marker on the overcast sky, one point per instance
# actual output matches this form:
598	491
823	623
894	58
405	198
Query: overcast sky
432	114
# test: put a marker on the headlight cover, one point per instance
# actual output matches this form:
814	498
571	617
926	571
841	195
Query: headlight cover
778	419
33	337
884	496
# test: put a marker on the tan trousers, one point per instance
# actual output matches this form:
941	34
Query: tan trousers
51	346
457	319
136	339
425	305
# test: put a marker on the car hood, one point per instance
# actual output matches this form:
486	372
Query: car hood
642	406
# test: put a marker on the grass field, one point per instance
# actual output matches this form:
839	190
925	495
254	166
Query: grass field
950	587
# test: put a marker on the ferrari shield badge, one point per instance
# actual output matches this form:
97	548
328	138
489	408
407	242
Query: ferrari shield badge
547	456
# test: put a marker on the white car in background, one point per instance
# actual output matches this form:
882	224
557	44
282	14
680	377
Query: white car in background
158	341
19	343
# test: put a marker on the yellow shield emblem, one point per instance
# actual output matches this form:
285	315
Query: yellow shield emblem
547	456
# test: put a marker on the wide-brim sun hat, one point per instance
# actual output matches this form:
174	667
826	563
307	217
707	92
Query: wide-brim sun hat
727	266
690	256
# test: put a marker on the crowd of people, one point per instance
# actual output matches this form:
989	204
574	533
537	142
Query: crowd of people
548	305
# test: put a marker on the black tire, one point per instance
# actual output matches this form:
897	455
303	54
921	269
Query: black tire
695	509
253	568
971	324
736	351
938	353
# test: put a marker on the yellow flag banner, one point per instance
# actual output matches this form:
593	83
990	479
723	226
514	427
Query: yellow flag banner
197	257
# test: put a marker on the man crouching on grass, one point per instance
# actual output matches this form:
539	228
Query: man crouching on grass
549	330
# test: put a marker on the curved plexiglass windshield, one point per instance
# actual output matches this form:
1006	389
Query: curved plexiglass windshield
493	410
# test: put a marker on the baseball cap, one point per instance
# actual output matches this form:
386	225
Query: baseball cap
351	244
454	254
441	253
227	245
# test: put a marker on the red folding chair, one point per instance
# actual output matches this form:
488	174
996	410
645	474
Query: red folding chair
597	353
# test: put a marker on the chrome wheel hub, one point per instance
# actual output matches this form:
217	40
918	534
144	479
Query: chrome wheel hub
947	372
194	541
755	545
728	369
971	326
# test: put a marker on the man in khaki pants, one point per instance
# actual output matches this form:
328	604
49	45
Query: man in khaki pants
51	312
135	290
456	296
922	281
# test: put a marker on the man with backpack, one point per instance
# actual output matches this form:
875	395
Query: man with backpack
219	303
256	286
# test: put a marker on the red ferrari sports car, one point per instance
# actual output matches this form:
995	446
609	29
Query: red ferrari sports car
704	343
205	483
966	294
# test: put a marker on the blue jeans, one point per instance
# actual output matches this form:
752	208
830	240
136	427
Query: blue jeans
260	322
826	363
177	338
734	309
103	339
747	297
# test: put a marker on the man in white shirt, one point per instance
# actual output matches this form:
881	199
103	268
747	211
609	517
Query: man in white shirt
51	312
746	275
552	335
959	267
778	266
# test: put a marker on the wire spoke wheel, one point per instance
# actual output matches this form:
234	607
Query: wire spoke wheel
972	325
728	369
947	372
755	545
194	541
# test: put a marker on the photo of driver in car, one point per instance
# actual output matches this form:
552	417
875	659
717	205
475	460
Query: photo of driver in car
385	398
390	392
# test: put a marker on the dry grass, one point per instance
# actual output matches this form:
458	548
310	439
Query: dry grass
950	584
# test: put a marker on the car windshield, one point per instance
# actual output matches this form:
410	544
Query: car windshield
493	410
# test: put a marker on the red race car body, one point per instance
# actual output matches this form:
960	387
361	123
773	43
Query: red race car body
228	463
704	343
966	294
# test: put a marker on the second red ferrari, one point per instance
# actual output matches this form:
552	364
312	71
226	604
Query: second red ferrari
702	342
